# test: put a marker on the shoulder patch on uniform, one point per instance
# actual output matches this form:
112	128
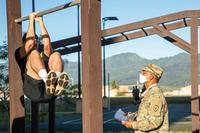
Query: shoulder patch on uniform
155	108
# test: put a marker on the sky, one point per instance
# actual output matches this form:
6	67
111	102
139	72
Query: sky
63	24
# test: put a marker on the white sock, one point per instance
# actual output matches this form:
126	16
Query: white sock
58	74
43	74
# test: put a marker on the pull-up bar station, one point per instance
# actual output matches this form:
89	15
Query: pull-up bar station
92	38
51	10
34	105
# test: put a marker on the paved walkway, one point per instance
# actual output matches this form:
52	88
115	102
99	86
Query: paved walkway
179	117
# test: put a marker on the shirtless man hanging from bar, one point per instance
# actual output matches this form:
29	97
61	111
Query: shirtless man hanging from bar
43	73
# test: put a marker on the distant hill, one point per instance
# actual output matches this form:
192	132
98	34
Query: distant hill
125	67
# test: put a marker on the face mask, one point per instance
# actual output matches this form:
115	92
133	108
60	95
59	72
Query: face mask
142	79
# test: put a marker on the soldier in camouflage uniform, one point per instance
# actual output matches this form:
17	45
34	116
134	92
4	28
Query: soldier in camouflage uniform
152	115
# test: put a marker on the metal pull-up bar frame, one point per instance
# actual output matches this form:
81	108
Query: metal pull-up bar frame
51	10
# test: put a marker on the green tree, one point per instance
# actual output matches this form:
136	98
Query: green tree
4	87
114	84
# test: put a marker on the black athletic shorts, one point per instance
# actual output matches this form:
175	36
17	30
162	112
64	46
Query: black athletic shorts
35	89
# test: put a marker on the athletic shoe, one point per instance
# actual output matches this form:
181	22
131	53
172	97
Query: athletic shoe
62	82
50	82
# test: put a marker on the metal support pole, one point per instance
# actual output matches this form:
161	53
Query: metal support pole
34	117
104	65
17	113
104	71
79	57
91	64
109	91
194	76
52	128
33	10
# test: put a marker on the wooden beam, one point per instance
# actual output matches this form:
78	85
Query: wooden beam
122	38
17	114
194	13
173	38
66	42
91	66
134	26
77	39
194	76
69	50
149	22
148	32
51	10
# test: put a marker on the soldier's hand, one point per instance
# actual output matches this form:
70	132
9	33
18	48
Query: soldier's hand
38	18
127	124
32	16
127	114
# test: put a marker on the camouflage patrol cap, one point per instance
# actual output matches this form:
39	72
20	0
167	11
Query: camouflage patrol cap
156	70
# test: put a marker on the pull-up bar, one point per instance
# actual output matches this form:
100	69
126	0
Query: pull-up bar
51	10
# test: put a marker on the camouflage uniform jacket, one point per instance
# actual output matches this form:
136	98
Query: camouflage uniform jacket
152	115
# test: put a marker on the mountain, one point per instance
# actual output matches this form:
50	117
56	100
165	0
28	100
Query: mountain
125	67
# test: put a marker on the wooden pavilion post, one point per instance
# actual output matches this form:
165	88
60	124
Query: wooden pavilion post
194	76
91	58
17	123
